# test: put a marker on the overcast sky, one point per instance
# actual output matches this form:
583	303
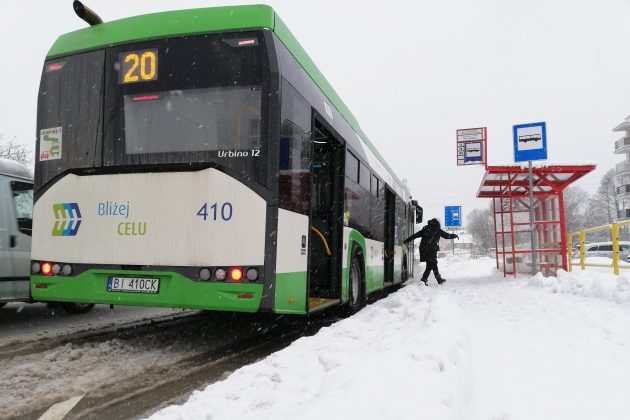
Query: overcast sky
412	72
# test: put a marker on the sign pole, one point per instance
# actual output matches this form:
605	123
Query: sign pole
530	143
531	219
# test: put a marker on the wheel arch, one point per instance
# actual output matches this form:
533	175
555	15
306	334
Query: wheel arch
352	240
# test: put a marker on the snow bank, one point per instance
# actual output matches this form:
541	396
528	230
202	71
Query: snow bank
587	283
404	357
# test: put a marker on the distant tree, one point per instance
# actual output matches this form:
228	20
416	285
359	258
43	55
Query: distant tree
481	227
11	149
602	207
576	202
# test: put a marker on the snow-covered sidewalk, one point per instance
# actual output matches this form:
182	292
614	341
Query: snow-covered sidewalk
478	347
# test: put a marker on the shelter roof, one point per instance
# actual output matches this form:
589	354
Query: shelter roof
513	180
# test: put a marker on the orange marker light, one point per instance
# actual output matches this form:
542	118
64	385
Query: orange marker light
47	269
236	274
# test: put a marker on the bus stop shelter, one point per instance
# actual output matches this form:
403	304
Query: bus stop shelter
508	187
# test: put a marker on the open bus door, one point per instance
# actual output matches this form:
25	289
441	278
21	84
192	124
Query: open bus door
415	218
390	221
326	219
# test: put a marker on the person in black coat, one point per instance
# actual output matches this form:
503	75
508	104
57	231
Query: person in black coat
429	247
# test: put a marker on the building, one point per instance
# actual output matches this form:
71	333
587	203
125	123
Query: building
622	170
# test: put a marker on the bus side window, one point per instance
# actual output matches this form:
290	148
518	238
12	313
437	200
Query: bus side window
294	176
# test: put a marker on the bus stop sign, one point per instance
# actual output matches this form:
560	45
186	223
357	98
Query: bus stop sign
530	142
453	216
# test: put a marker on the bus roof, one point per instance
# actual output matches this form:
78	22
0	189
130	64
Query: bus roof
14	169
199	21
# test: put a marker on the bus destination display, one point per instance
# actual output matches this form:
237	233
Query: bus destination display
138	66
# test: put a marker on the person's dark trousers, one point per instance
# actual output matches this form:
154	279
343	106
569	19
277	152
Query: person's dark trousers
431	265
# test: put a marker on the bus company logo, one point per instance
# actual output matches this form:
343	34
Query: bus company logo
67	219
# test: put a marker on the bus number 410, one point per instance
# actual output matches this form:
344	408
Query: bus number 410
224	211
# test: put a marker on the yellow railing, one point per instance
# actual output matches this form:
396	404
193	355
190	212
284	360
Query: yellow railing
613	228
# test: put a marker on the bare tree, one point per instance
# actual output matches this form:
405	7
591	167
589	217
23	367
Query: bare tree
11	149
481	227
576	201
602	207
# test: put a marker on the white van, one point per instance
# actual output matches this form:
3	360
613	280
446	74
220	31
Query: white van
16	222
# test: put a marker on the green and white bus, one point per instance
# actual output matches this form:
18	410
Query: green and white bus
199	159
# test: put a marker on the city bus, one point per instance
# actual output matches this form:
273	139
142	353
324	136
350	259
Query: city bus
199	159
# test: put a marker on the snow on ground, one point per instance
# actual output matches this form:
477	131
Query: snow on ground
30	321
376	356
38	381
481	346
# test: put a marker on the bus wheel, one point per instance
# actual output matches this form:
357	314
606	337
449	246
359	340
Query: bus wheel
2	304
355	284
77	308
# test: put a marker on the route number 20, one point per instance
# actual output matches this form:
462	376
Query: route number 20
138	66
224	212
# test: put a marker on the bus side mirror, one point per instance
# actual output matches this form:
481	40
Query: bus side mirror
419	212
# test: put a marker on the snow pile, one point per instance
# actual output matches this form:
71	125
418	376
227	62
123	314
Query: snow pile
587	283
402	357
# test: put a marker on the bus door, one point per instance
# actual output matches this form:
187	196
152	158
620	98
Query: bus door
390	230
326	218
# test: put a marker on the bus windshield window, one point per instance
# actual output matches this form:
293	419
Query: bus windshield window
223	118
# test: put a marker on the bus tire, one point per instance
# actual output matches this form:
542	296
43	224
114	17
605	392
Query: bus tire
77	308
356	283
2	304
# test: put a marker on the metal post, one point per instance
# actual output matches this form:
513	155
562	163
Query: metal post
570	250
614	232
531	218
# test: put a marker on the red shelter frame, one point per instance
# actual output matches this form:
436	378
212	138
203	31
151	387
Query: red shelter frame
508	186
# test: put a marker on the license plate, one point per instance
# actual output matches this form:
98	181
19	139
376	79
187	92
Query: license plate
133	284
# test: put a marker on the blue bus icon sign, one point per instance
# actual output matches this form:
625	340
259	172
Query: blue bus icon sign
530	142
453	216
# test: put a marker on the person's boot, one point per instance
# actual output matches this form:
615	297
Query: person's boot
425	281
440	279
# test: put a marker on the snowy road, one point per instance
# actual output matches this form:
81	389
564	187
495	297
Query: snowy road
127	362
479	347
